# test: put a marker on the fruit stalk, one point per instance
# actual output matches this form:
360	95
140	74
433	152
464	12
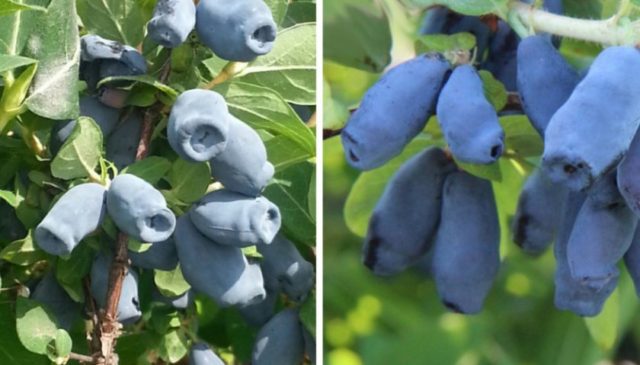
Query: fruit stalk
606	31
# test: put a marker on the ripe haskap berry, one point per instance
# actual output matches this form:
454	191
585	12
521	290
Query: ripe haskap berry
406	217
545	80
468	121
393	111
236	30
234	219
280	341
466	255
220	271
77	213
199	125
140	210
172	21
591	132
538	214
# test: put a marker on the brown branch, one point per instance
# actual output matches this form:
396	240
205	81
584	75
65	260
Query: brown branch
109	328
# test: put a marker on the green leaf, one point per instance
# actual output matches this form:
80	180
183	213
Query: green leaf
278	9
60	347
118	20
520	136
9	197
251	251
131	346
494	90
312	195
23	252
308	314
467	7
604	327
81	152
17	27
290	68
283	152
9	62
445	42
35	326
290	192
70	272
151	169
8	7
299	12
349	28
188	180
12	351
262	108
488	172
56	45
146	80
13	97
370	185
173	346
170	283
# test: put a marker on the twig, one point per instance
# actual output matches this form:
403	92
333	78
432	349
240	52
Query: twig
606	31
81	358
109	328
328	133
94	338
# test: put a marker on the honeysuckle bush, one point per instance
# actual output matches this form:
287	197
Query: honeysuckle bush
39	63
372	320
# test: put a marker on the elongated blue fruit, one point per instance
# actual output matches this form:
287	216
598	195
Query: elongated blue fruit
140	210
571	294
236	30
51	294
393	111
603	110
280	341
502	59
632	261
545	80
242	166
309	345
406	217
104	116
601	234
183	301
466	254
102	58
469	122
160	256
129	304
198	125
234	219
628	172
538	213
77	213
222	272
283	261
122	144
201	354
11	228
258	314
171	22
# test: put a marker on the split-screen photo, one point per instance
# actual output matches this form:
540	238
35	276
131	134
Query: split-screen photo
336	182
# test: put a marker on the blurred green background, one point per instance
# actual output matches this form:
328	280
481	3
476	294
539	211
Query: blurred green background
373	321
